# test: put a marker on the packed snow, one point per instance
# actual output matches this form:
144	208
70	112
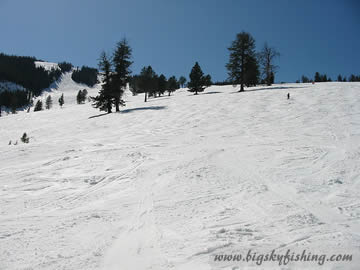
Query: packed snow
173	182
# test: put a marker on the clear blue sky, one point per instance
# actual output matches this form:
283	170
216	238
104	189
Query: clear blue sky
170	35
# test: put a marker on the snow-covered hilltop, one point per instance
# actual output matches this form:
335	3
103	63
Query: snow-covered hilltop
47	65
170	183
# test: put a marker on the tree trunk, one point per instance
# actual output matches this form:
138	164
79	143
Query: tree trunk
117	101
242	72
145	97
241	87
169	93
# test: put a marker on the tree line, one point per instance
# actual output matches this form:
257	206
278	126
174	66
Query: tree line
23	71
154	85
318	77
85	75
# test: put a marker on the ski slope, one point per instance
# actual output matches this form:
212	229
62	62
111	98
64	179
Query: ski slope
170	183
65	85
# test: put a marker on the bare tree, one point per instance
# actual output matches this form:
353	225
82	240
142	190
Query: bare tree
267	57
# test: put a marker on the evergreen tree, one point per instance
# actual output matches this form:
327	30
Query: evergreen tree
267	57
122	62
317	77
147	81
48	103
84	94
207	81
104	99
81	96
304	79
134	84
61	100
182	81
243	67
172	85
197	81
162	84
352	78
38	106
339	78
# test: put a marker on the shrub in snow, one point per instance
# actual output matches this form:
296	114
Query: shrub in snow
38	106
25	138
81	96
48	103
61	100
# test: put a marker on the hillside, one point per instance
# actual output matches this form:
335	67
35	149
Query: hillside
170	183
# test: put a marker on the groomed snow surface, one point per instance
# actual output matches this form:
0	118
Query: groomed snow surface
170	183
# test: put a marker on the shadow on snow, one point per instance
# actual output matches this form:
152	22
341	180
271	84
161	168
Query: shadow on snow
269	88
154	108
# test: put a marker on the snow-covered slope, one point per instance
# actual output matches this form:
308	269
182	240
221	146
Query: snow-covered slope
46	65
65	85
170	183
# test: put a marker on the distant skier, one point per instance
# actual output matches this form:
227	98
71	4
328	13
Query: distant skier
288	95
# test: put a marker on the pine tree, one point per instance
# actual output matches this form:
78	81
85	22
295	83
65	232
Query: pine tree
61	100
243	68
304	79
38	106
78	97
267	57
122	62
81	96
148	81
198	82
182	81
162	84
48	103
172	85
207	81
324	78
352	78
339	78
317	77
104	99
